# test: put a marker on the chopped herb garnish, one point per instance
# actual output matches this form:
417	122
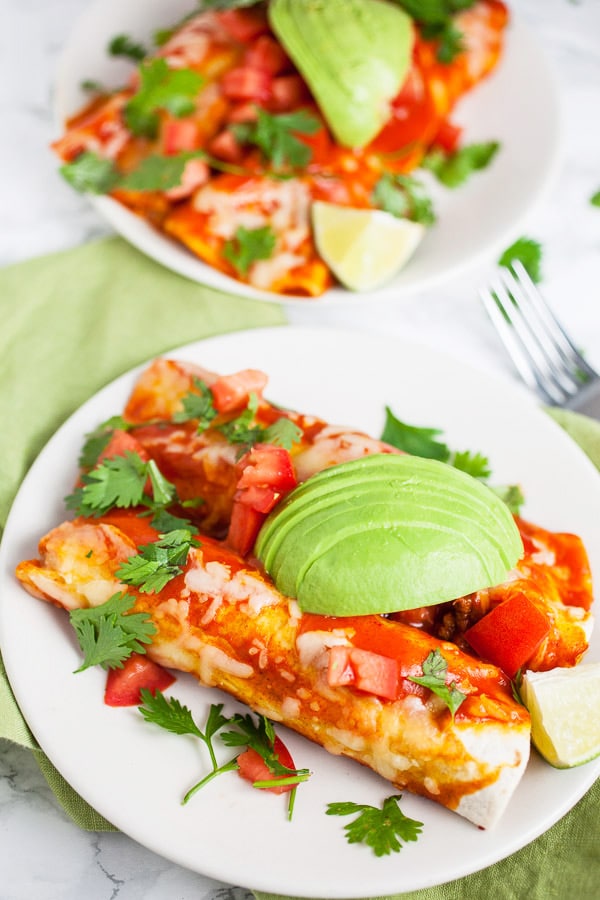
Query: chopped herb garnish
435	669
595	199
119	481
197	404
383	829
249	245
512	495
276	136
158	173
90	173
413	439
529	253
404	196
123	45
436	21
453	169
108	634
97	440
159	562
161	88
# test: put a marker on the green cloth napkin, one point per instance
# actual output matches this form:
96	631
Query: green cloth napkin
73	321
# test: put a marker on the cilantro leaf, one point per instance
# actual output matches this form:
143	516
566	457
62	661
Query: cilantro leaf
512	495
275	136
197	404
96	440
118	481
161	88
526	251
381	829
240	429
108	634
404	196
157	172
163	492
454	169
475	464
283	433
249	245
165	521
123	45
159	562
595	199
90	173
435	669
435	18
412	439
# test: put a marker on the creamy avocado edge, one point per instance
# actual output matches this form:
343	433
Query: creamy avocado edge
353	54
387	532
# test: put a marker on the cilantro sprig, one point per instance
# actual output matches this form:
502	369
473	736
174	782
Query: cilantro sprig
528	252
124	45
108	634
435	670
159	562
404	196
454	169
276	136
427	443
248	245
436	21
161	88
120	481
170	714
198	404
383	829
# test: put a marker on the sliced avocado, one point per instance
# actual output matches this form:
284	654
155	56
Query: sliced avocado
387	532
353	54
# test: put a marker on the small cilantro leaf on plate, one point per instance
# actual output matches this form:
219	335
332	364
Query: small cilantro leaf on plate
383	829
404	197
124	45
453	169
595	199
528	252
157	172
96	440
475	464
197	404
159	562
413	439
119	481
276	136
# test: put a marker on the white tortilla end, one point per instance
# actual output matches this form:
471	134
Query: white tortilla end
507	751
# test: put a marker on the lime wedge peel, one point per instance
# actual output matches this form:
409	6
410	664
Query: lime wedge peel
564	705
364	248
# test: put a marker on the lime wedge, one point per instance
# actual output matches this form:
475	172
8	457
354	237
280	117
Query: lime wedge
564	705
364	248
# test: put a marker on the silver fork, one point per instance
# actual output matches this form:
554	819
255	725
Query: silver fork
543	353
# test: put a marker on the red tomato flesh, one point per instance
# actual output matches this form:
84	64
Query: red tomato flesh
252	767
231	392
367	671
124	686
509	634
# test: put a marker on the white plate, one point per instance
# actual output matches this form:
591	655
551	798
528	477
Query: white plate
517	106
135	774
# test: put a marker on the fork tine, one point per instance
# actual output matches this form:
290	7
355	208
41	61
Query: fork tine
554	366
503	313
567	349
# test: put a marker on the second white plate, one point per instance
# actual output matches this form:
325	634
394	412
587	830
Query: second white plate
517	106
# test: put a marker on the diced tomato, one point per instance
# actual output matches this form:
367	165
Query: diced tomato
253	768
287	92
225	146
244	24
267	474
448	136
510	633
244	525
120	443
231	392
267	55
124	686
367	671
179	135
244	83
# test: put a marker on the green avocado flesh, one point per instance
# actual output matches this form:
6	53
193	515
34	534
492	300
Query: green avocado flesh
385	533
353	54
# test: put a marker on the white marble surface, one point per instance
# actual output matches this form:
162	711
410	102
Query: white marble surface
43	856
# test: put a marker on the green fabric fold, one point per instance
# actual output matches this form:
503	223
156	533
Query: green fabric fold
74	321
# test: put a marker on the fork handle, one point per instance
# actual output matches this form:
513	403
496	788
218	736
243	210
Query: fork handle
587	401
